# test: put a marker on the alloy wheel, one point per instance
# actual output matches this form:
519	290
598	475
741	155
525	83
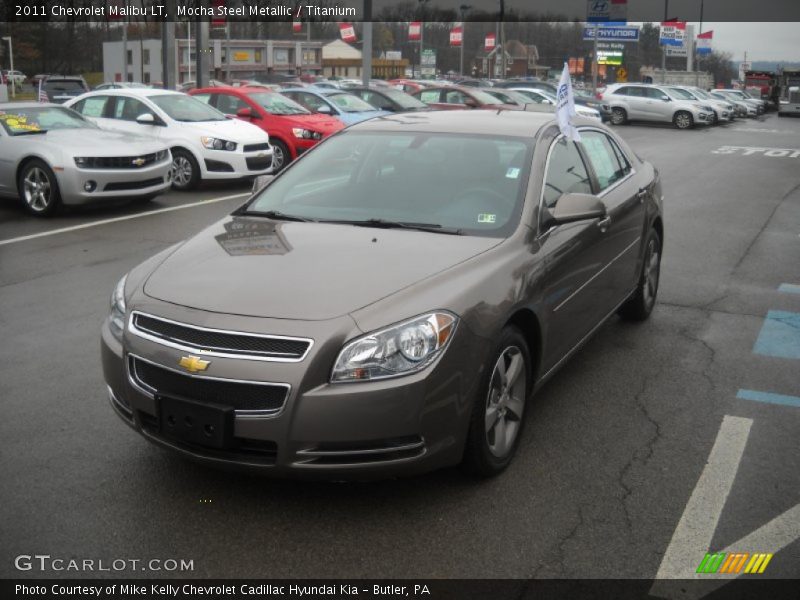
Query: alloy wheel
683	120
277	158
505	401
181	171
617	116
37	189
651	273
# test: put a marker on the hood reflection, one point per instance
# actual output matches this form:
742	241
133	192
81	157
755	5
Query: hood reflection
250	237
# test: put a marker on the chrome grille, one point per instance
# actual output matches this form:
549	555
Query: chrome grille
217	342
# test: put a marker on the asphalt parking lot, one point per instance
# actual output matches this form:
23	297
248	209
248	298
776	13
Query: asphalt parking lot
613	471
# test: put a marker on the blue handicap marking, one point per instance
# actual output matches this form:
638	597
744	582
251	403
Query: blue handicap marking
768	398
790	288
780	335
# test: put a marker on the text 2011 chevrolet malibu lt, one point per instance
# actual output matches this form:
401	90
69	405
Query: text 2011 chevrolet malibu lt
389	303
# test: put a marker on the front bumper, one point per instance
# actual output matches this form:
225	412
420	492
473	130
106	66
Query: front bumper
112	183
704	118
368	430
222	164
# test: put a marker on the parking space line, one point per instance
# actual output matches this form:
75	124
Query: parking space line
33	236
790	288
768	397
779	335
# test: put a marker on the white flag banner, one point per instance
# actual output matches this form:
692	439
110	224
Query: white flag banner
565	106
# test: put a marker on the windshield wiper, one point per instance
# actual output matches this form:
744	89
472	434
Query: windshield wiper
276	215
387	224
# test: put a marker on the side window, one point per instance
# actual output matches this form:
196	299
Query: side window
377	100
204	98
429	96
92	107
605	158
654	93
129	109
623	91
230	104
566	173
310	101
455	97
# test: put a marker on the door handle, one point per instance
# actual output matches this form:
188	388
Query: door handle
641	194
604	223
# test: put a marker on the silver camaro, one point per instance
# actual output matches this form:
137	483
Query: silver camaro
50	155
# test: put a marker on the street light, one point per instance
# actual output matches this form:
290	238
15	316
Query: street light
421	34
463	8
11	60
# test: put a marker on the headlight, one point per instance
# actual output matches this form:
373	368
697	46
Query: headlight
306	134
213	143
83	162
117	316
398	350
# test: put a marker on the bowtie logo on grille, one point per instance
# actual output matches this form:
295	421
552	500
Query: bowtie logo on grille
138	162
193	364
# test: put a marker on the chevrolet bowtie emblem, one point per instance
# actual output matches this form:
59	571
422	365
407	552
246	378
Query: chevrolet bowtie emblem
193	364
138	162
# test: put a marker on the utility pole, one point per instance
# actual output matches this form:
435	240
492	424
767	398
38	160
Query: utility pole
464	8
366	48
11	64
664	47
421	33
125	50
502	39
595	67
227	51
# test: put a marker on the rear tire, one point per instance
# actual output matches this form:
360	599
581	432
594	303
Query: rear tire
683	120
641	303
38	189
498	410
619	116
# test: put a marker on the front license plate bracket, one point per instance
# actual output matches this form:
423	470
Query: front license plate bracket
197	423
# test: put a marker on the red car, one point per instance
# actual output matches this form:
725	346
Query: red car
292	129
457	97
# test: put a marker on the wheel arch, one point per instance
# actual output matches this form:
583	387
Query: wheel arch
527	322
24	161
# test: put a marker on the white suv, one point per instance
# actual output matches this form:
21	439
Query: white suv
642	102
205	144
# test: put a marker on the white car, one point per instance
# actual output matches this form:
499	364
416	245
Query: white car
205	144
544	97
18	77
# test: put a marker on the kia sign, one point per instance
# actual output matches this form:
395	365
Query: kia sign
612	34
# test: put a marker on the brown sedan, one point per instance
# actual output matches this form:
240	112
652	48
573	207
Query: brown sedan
453	97
391	302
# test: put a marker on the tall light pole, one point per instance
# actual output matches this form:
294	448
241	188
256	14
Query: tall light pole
463	8
421	33
11	62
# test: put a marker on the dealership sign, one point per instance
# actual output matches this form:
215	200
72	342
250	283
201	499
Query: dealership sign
607	11
673	33
609	57
612	34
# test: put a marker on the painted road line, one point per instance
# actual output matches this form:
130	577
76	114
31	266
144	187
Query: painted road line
33	236
753	150
768	398
692	537
791	288
779	335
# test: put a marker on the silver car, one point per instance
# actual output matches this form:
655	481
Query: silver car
743	109
723	110
50	155
739	95
641	102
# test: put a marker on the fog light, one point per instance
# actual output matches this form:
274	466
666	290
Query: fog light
90	186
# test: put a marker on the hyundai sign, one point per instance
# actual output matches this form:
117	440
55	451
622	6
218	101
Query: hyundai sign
612	34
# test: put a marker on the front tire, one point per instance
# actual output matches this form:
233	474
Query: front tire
38	189
619	116
640	305
497	413
683	120
185	171
280	156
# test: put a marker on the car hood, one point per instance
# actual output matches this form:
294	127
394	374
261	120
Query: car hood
352	118
306	271
97	142
322	123
232	130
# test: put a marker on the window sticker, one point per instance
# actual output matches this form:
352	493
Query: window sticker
487	218
18	123
513	172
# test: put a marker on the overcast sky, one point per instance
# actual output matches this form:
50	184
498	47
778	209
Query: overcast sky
761	41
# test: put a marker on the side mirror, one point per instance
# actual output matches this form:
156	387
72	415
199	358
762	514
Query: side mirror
577	207
260	182
245	113
665	98
470	103
325	109
146	119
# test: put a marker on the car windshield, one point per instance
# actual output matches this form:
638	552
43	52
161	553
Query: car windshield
484	98
702	94
350	103
412	178
511	96
680	94
185	108
403	99
64	86
40	119
278	104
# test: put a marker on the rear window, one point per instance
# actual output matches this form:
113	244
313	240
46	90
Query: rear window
68	86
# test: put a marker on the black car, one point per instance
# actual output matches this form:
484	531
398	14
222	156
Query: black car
60	88
389	99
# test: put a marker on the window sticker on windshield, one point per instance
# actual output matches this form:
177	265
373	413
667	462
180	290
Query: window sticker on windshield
487	218
18	123
512	173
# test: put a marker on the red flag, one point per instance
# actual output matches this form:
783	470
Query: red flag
347	32
218	20
706	36
490	42
414	30
456	34
297	26
674	23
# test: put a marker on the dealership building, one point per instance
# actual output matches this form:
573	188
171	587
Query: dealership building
243	59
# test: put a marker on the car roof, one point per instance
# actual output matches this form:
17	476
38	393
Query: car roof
514	123
142	92
31	104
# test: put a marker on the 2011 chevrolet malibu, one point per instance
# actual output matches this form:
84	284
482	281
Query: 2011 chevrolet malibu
390	303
